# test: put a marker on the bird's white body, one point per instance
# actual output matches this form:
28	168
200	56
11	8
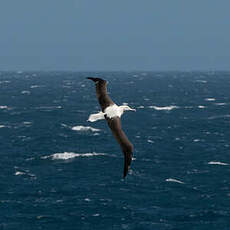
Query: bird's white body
114	111
110	112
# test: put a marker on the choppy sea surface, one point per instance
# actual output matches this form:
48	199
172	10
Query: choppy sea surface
59	171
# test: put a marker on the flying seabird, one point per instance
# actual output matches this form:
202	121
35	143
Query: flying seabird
112	113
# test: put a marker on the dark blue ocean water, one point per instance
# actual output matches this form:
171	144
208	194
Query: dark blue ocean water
59	171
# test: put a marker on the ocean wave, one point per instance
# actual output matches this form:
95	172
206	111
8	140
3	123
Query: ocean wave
201	107
210	99
150	141
2	126
220	104
219	116
4	107
26	173
25	92
35	86
18	173
217	163
48	108
201	81
168	108
4	82
174	180
85	128
71	155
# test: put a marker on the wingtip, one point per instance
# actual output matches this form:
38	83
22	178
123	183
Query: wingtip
96	79
127	163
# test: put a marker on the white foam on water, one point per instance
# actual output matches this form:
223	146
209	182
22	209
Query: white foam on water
4	107
2	82
210	99
85	128
201	107
27	123
150	141
49	107
27	173
219	117
141	107
220	104
201	81
174	180
25	92
196	140
18	173
70	155
168	108
96	134
96	214
217	163
2	126
34	86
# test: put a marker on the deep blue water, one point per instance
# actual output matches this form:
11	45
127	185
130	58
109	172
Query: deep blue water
59	171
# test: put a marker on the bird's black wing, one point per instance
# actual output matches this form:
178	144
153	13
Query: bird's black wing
101	92
125	144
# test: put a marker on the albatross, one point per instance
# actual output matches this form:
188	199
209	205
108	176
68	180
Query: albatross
112	114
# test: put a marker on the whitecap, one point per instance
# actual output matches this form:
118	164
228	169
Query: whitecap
18	173
150	141
96	134
210	99
85	128
217	163
201	107
218	117
27	123
201	81
49	107
4	107
25	92
171	107
141	107
71	155
34	86
174	180
196	140
220	104
2	126
96	214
